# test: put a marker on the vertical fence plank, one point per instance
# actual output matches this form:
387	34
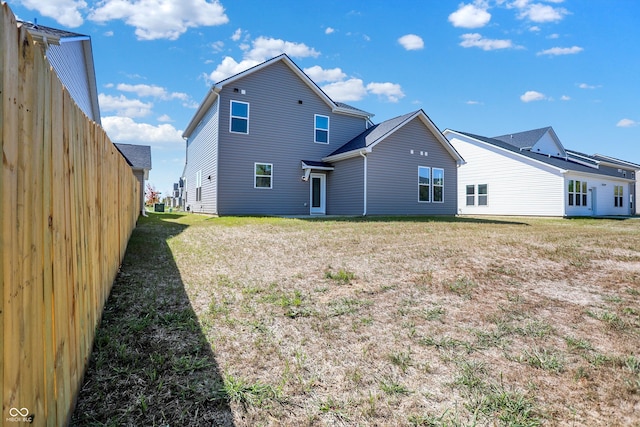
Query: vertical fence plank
11	282
69	205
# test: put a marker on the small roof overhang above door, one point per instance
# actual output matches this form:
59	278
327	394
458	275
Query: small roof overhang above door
309	165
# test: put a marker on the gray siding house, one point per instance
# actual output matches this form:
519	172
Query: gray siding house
139	158
269	141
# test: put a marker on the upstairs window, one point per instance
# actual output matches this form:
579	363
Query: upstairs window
239	117
618	193
321	129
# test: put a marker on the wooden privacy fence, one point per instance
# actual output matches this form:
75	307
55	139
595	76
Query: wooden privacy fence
68	205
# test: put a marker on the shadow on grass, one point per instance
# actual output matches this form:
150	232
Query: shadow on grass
151	364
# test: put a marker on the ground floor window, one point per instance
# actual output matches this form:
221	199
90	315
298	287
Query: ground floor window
430	184
199	186
471	195
263	173
482	195
577	193
618	194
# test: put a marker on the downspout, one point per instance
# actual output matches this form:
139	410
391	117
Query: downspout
364	213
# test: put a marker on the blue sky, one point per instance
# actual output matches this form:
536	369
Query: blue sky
489	67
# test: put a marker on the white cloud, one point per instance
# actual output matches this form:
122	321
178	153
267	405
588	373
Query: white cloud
538	12
319	75
535	29
261	49
264	48
165	118
65	12
470	102
471	15
161	19
553	36
476	40
392	91
124	106
532	95
236	35
346	91
554	51
565	98
329	30
125	129
587	86
627	123
411	42
217	46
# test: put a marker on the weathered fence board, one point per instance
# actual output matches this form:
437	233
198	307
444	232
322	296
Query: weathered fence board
69	202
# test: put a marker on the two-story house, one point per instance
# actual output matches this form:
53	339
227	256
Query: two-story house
269	141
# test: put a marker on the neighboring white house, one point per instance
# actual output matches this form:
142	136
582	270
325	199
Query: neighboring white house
531	173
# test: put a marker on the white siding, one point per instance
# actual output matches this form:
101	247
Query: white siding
68	61
603	204
202	154
516	185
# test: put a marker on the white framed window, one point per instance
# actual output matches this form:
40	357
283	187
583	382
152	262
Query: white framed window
239	121
199	186
577	192
424	184
482	195
263	175
471	195
321	129
437	179
618	194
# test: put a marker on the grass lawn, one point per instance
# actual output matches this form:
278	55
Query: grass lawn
376	321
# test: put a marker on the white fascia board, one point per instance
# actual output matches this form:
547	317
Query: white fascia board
610	161
347	155
508	152
600	176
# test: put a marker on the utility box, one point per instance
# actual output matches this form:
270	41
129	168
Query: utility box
158	207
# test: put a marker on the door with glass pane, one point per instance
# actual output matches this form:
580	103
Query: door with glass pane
318	193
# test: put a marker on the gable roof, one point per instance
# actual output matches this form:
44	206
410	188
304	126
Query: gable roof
524	139
212	95
568	163
137	156
49	36
377	133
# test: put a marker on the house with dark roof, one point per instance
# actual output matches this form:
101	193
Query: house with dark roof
269	141
139	158
71	56
532	173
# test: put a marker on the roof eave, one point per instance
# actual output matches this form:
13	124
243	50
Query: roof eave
206	103
346	155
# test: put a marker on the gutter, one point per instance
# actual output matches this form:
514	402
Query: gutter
364	156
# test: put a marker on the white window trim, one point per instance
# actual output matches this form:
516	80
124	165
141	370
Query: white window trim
231	116
433	185
425	185
199	186
467	195
315	128
255	175
486	195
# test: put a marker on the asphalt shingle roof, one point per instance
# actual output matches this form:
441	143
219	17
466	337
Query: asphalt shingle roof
49	31
523	139
372	134
553	161
138	156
